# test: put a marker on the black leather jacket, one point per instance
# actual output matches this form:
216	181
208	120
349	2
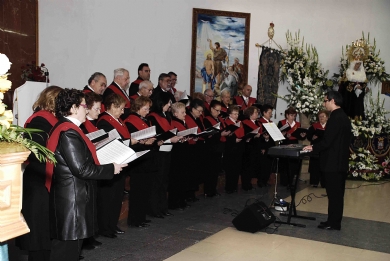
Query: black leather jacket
72	197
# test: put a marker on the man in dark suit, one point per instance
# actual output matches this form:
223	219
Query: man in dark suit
164	85
334	154
143	75
96	83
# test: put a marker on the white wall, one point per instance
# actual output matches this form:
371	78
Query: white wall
79	37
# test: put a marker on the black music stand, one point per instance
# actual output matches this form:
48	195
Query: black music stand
292	212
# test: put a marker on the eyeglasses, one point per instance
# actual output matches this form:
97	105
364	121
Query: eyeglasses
216	110
83	105
200	111
326	101
209	96
97	109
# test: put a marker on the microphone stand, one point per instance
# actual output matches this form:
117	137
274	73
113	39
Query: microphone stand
276	198
47	76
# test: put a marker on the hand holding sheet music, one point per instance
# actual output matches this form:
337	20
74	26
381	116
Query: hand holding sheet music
117	152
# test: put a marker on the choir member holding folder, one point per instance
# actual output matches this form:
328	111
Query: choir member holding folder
234	149
214	148
197	148
179	171
110	192
35	207
251	162
315	135
266	142
161	118
289	167
143	170
72	203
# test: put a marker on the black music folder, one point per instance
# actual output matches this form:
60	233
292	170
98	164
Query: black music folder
319	133
297	133
251	134
232	127
166	135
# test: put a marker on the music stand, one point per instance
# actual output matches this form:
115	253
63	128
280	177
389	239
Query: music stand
277	136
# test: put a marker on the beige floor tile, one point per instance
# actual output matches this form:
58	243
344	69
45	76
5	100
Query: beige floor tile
357	202
232	245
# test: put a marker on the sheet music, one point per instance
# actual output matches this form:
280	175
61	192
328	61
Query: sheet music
144	134
136	156
183	96
112	135
217	126
285	126
116	152
273	131
183	133
95	134
126	142
174	131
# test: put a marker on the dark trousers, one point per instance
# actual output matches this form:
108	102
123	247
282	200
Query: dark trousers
109	203
316	176
139	197
158	201
39	255
232	164
265	169
335	188
65	250
212	168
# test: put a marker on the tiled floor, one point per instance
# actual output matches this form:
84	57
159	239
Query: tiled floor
205	232
231	245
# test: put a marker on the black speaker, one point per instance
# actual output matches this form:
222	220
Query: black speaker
254	218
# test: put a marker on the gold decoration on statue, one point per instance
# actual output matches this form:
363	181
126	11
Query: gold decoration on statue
358	50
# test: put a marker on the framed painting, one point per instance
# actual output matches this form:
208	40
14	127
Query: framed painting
220	47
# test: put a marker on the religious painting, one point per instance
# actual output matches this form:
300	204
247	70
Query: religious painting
220	47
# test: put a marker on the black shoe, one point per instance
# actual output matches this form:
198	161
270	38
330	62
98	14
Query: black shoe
166	213
109	235
328	227
94	242
81	257
324	223
119	231
147	221
158	216
88	246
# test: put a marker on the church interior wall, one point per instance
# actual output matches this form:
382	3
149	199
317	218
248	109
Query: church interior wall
77	38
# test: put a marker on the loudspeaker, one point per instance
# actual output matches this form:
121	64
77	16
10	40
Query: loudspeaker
254	218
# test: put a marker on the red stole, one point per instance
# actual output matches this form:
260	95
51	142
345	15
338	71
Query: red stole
178	125
240	133
296	126
118	91
134	96
262	120
207	106
44	114
241	102
52	143
138	81
173	90
123	131
317	125
252	125
89	126
213	122
86	91
137	122
162	121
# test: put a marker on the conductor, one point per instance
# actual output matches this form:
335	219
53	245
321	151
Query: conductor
334	154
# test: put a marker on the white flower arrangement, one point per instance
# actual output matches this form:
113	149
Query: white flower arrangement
307	79
365	165
373	65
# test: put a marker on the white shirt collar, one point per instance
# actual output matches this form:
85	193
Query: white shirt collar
74	120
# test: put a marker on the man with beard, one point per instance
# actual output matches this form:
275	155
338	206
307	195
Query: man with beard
143	75
220	56
119	86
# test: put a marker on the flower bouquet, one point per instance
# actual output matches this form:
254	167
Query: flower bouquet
365	165
32	72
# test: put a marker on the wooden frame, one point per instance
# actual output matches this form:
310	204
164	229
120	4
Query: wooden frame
231	31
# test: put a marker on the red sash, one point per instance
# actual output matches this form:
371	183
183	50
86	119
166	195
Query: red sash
89	126
137	122
116	89
44	114
123	131
86	91
178	125
138	81
134	96
296	126
241	102
318	125
213	122
52	143
252	125
239	132
207	106
163	122
262	120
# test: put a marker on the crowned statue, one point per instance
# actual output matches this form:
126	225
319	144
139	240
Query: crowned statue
353	85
